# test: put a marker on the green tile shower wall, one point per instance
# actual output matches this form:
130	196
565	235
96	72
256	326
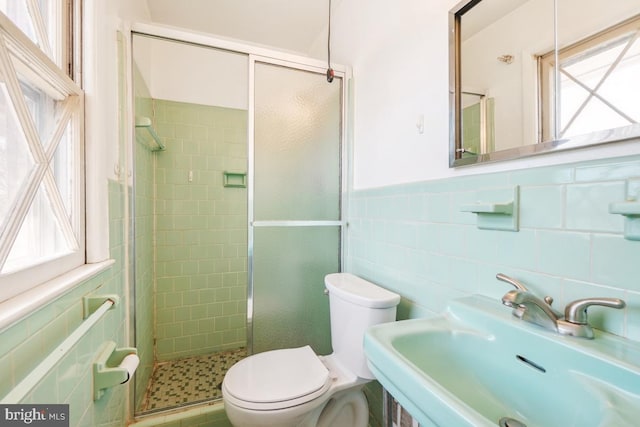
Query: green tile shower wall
201	230
471	127
24	345
414	239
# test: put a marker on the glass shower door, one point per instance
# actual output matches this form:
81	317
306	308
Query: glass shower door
295	229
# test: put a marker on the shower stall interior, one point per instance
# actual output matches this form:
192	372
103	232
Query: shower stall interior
237	212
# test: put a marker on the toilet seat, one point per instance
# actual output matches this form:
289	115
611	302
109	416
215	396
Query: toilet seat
277	379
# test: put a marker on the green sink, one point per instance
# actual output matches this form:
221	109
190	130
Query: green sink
477	365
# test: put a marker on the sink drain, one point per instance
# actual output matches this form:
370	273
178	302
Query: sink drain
510	422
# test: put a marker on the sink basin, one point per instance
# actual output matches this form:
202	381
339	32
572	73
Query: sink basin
476	365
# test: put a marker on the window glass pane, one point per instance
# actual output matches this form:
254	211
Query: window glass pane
16	161
595	116
39	238
622	87
63	167
18	12
590	67
598	86
572	97
46	8
50	12
44	110
46	15
40	220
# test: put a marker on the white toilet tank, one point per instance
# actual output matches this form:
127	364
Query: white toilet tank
356	304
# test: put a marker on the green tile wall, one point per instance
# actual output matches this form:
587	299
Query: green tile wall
24	345
201	230
413	239
472	127
471	123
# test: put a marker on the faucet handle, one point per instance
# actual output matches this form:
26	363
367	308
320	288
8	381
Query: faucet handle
520	286
513	282
576	311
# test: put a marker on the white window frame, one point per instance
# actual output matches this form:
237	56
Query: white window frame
17	51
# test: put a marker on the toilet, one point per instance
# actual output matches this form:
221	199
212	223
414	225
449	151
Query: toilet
296	387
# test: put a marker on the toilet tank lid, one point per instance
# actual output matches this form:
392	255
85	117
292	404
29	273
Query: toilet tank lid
359	291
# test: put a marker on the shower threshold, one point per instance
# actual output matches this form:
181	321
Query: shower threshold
179	383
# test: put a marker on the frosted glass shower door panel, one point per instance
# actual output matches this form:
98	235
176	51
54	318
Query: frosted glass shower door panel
290	307
297	145
296	220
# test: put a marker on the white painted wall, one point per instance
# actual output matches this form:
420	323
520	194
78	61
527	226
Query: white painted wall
286	25
399	54
141	48
192	74
101	21
104	19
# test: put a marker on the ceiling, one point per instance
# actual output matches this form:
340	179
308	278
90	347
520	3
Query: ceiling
293	25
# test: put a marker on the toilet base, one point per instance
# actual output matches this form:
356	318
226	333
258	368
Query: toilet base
346	408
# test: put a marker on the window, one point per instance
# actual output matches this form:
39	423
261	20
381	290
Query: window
41	146
598	82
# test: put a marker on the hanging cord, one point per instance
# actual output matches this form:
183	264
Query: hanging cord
330	73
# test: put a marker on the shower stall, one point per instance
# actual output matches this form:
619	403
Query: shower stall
237	210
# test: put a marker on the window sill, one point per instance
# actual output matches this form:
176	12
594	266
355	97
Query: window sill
21	305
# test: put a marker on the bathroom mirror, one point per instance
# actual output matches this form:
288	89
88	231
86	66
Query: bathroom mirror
509	99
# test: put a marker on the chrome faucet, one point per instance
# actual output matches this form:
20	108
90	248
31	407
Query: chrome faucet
510	280
530	308
575	316
527	306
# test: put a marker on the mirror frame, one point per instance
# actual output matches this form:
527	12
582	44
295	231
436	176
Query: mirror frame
455	109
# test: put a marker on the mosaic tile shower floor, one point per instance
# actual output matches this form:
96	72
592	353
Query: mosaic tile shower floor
188	381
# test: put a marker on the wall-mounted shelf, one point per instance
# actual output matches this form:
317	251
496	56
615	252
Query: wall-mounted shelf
504	208
497	209
234	179
146	134
630	209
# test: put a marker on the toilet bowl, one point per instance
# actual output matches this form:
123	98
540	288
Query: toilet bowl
296	387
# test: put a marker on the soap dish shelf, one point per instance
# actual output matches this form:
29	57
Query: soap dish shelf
502	215
505	208
630	209
148	135
234	179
